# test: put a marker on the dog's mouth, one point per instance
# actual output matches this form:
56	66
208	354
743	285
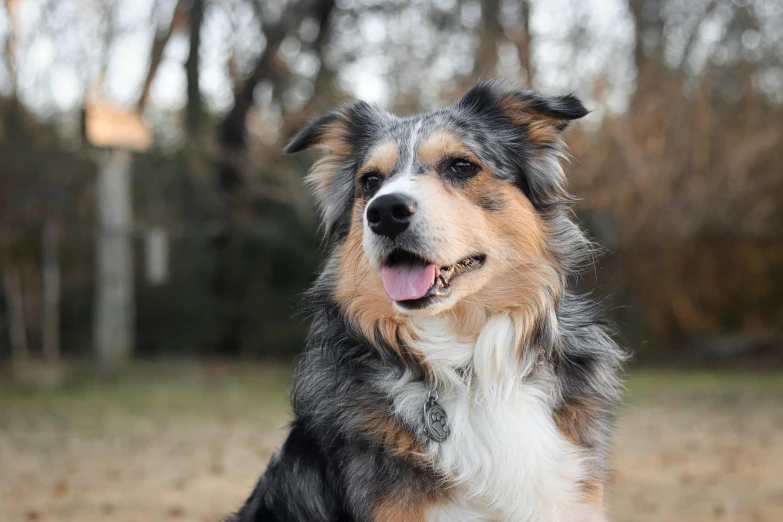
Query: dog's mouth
413	282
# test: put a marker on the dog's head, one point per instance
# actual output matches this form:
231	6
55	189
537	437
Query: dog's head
445	212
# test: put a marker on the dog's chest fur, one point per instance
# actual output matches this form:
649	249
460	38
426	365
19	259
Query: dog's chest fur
504	457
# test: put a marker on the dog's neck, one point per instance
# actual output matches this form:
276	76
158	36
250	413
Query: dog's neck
489	367
504	454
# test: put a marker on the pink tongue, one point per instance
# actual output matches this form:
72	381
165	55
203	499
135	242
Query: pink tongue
406	281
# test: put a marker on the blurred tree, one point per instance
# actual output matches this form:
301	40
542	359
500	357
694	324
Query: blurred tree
229	280
678	164
681	185
195	109
490	36
159	43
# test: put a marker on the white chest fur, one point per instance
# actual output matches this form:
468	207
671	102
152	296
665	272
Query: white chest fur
504	456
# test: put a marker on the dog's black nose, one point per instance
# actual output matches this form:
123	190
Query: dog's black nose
389	215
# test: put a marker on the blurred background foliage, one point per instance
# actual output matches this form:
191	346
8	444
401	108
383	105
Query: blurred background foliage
678	167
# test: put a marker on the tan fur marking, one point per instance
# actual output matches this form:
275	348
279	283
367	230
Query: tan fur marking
383	157
337	137
394	438
595	494
594	497
573	419
401	509
360	290
441	144
541	129
519	259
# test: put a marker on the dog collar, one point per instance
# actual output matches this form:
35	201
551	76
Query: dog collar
436	422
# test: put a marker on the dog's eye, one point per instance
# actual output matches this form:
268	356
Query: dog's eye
371	181
462	167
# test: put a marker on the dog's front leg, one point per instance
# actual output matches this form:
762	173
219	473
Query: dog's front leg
296	486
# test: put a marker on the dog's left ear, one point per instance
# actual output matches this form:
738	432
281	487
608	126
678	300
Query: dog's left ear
544	117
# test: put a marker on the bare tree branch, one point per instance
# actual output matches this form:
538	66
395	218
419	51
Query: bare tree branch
269	68
178	19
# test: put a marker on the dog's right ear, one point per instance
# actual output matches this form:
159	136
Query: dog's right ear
314	133
343	133
336	131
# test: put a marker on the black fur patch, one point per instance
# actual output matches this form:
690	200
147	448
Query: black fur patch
299	484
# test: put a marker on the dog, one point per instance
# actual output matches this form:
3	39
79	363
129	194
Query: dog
451	372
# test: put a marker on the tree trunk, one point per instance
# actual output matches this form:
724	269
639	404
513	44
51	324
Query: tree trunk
51	294
12	281
12	32
525	45
649	62
192	67
491	32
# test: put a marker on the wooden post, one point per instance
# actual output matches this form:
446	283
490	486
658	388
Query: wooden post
12	281
119	132
114	317
51	293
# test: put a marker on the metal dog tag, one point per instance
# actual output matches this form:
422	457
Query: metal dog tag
435	419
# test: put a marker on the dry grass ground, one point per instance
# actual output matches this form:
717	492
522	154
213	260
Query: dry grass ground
174	445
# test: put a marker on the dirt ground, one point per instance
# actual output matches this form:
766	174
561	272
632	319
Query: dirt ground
168	446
